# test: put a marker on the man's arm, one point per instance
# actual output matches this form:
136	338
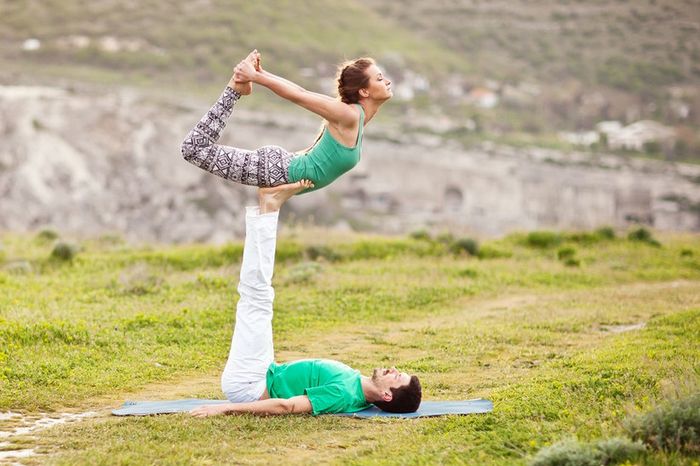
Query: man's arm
271	406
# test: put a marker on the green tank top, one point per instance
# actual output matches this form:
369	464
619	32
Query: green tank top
327	159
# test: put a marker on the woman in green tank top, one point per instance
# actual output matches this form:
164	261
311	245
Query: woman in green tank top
362	89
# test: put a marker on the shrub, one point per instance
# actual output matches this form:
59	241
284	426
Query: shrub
671	426
467	245
643	235
489	252
421	235
63	251
139	279
605	233
574	453
543	239
686	253
471	273
583	237
590	237
566	253
47	235
315	252
303	272
572	262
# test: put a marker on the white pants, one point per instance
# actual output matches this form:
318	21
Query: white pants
252	349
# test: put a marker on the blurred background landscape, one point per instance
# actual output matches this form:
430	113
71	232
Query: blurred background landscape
506	116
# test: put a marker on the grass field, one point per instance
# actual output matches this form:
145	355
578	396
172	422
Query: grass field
568	334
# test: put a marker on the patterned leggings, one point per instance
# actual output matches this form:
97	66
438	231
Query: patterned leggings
264	167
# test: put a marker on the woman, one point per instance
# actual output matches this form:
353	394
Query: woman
361	90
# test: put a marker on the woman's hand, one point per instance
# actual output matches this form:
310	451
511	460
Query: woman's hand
247	69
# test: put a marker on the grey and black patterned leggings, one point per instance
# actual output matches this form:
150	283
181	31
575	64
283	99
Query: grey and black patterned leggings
264	167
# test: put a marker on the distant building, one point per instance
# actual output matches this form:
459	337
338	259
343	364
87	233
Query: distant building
31	44
608	127
636	135
482	97
410	85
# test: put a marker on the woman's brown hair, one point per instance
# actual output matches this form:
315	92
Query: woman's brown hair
352	77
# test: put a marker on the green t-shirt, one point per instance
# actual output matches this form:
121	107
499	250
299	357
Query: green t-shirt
332	387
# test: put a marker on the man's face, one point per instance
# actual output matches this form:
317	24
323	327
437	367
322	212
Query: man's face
385	379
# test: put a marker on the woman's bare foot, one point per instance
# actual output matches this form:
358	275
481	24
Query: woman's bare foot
246	88
271	199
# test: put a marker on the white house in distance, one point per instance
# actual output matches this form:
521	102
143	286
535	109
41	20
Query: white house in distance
482	97
639	133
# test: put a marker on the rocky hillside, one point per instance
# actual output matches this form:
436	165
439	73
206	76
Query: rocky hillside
85	162
516	72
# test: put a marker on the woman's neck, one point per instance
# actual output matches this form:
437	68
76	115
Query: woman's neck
371	107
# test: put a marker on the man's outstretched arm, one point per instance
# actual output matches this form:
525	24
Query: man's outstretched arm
271	406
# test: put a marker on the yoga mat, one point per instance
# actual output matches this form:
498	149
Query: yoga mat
427	408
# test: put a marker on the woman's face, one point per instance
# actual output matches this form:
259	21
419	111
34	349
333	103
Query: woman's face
379	87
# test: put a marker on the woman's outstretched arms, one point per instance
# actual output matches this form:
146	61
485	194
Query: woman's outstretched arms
270	406
325	106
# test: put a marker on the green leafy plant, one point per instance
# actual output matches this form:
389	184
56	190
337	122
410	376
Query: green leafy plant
643	235
468	245
543	239
674	425
574	453
65	252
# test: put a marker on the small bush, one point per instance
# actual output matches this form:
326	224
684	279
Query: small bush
314	252
304	272
583	237
574	453
605	233
139	279
566	253
619	449
65	252
643	235
422	235
47	235
543	239
572	262
489	252
467	245
686	253
471	273
672	426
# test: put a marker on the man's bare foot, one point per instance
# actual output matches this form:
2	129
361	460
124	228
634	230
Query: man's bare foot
271	199
246	88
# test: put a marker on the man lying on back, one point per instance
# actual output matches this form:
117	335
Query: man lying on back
253	382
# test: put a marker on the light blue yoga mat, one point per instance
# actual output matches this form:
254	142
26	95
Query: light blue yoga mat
427	408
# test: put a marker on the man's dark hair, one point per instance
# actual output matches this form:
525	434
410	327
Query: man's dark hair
404	399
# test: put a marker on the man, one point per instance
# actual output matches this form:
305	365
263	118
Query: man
253	382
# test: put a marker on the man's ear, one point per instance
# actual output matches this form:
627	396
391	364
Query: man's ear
387	396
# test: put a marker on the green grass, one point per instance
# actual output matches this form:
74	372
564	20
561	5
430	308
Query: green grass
518	327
